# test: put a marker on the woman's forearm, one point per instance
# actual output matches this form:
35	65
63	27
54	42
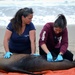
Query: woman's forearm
44	47
6	45
33	47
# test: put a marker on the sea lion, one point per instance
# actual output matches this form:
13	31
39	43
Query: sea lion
26	63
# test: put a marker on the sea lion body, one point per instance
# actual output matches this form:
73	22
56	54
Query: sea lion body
29	63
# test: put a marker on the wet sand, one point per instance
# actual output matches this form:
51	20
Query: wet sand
71	35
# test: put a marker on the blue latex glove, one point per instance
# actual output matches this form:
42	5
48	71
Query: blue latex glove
49	57
8	55
59	58
36	54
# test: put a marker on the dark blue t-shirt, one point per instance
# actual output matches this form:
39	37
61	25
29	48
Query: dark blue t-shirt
20	43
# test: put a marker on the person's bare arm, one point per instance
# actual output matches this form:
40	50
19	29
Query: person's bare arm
32	35
44	47
6	39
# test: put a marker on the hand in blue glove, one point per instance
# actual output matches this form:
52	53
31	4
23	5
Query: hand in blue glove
49	57
59	58
7	55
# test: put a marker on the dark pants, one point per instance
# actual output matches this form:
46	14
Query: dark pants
67	55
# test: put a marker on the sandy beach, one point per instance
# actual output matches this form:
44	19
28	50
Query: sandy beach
71	31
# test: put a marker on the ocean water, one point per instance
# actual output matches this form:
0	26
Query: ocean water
44	10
